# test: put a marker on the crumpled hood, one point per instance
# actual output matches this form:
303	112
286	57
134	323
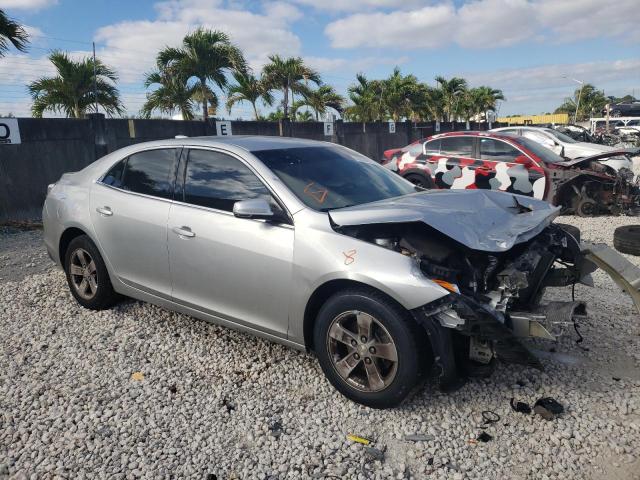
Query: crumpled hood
480	219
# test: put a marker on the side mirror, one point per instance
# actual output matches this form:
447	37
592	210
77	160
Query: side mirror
257	208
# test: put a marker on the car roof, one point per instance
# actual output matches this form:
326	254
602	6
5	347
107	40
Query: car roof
251	143
475	133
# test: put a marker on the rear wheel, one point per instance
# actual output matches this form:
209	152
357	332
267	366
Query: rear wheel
368	347
87	275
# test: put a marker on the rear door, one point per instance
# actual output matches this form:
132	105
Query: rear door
129	209
453	166
508	169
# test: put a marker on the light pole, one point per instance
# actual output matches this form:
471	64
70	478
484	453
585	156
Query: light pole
575	116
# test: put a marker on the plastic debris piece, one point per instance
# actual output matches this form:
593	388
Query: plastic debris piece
173	388
520	407
548	408
357	439
375	453
484	437
229	404
490	417
137	376
430	461
419	437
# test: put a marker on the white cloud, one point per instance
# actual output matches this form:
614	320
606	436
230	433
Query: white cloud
350	66
357	5
131	46
488	23
26	4
544	87
424	28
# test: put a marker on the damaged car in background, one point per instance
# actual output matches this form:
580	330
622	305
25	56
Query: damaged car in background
315	246
600	183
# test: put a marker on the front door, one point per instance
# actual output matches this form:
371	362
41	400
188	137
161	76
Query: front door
238	269
129	209
507	169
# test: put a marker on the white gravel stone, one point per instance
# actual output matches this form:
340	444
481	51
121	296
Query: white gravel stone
217	401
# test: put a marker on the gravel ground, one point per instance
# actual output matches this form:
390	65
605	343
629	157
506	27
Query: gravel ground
138	391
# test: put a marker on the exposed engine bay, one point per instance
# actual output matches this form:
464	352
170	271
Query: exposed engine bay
495	297
593	185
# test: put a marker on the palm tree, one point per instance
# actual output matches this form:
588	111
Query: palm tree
305	116
206	56
398	92
322	98
592	100
173	93
452	91
250	89
288	74
72	90
366	96
11	32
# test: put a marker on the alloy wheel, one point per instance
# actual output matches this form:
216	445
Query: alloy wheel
83	273
362	351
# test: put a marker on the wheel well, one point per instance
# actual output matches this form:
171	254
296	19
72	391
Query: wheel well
68	235
320	296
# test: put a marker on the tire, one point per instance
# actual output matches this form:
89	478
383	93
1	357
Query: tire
571	230
421	181
627	239
391	324
97	293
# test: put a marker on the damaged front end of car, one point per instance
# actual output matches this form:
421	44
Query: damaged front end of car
602	183
495	265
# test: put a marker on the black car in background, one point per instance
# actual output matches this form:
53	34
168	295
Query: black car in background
631	109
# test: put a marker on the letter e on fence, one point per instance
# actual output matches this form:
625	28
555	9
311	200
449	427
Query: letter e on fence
9	131
223	129
392	127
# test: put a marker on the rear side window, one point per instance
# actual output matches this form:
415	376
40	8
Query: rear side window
114	176
151	172
433	147
456	146
497	151
216	180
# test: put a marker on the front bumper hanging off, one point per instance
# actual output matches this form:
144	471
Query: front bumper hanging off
624	273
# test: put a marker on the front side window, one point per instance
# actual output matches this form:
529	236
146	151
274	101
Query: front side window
216	180
456	146
560	136
497	151
151	172
326	178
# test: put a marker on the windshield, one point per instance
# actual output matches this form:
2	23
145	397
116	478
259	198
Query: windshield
326	178
542	152
560	136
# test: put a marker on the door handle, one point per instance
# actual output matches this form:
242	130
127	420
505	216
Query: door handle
105	211
183	232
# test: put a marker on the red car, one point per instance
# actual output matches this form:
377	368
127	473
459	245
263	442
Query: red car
495	161
475	160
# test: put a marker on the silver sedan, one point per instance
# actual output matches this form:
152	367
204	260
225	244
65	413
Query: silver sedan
315	246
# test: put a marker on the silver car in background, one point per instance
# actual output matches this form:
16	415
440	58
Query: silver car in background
315	246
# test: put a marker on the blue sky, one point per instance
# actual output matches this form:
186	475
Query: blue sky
524	47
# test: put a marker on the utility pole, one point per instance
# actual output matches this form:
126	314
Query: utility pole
95	87
581	83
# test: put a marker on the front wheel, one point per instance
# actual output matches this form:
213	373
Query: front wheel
368	347
421	181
